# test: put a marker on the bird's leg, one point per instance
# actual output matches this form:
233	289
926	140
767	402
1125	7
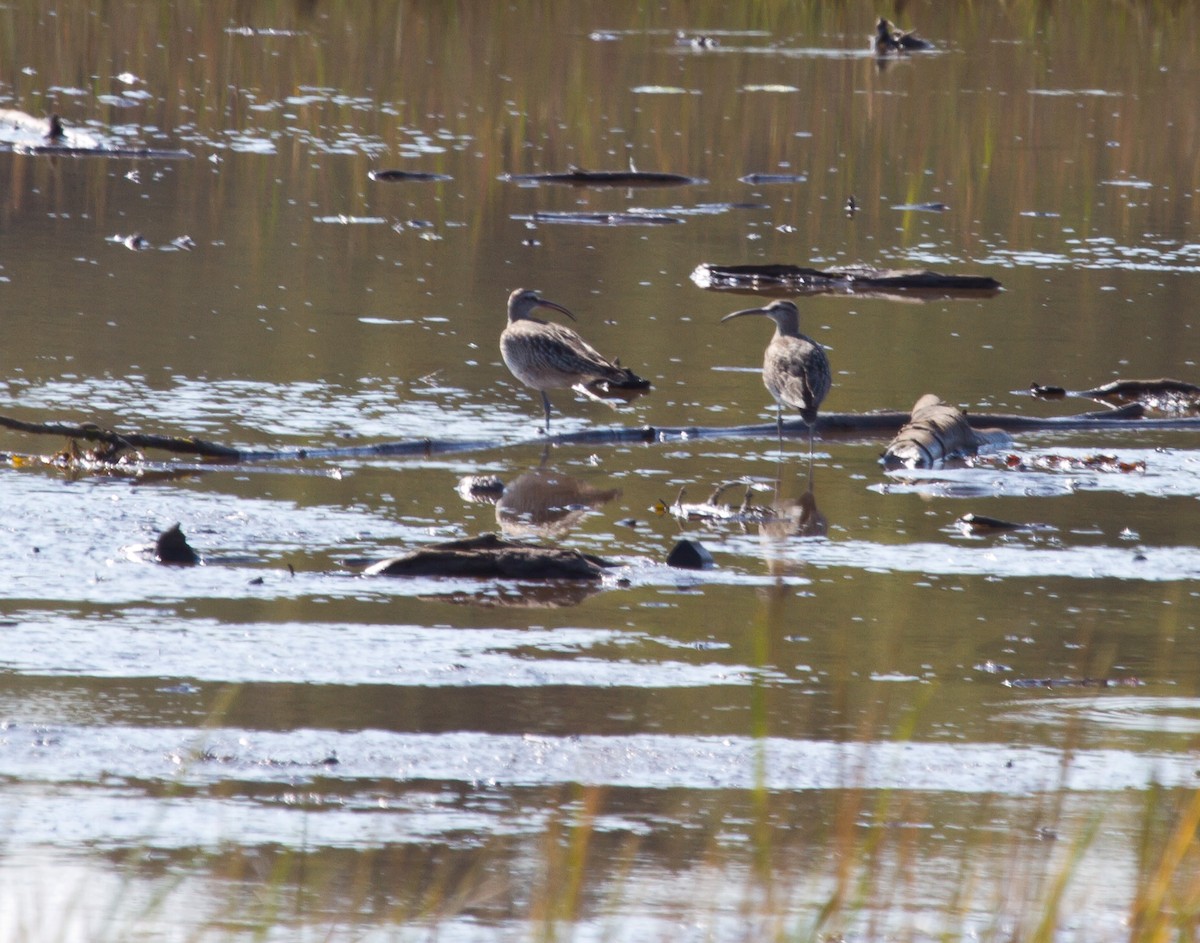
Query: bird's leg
779	426
810	454
546	408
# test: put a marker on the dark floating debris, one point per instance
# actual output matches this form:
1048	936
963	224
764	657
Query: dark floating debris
605	178
689	554
936	433
773	178
1175	397
172	548
601	219
851	206
1126	682
407	176
1072	463
491	557
798	279
922	207
981	524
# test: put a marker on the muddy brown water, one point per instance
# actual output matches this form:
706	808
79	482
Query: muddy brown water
269	745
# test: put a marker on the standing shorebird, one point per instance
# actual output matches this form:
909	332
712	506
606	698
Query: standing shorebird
795	368
548	356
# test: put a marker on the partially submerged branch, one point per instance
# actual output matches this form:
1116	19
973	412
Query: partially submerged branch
829	425
90	432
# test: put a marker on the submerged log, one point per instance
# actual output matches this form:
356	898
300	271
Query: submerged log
407	176
584	218
490	557
936	432
982	524
798	279
856	425
92	433
1165	395
606	178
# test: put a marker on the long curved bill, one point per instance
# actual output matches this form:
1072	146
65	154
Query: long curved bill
543	303
744	311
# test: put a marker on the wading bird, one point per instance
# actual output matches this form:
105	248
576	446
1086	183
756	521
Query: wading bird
795	368
548	356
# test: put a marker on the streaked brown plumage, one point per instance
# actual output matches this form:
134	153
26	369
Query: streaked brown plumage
795	368
548	356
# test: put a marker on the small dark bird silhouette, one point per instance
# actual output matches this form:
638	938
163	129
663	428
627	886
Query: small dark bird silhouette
548	356
889	39
56	133
795	368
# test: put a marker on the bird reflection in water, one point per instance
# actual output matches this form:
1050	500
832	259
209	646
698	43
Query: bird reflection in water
792	517
541	502
795	517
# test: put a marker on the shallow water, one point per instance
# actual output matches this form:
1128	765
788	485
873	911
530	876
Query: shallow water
271	745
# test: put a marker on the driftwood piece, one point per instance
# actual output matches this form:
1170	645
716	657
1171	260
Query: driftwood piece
92	433
1121	682
605	178
1164	395
490	557
798	279
759	179
585	218
711	509
407	176
982	524
936	432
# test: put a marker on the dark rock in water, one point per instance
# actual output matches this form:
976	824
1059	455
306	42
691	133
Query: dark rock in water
490	557
172	547
936	432
690	554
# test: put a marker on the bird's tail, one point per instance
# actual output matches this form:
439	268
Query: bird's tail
622	378
621	384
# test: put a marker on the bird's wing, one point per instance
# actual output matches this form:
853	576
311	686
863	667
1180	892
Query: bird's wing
801	372
572	354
